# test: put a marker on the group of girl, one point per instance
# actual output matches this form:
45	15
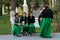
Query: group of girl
24	23
27	23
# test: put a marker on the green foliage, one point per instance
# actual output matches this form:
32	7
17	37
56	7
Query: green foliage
19	2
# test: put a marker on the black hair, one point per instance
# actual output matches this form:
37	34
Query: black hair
24	13
16	14
46	6
30	13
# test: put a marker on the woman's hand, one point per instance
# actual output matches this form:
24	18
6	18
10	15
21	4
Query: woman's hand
18	24
27	25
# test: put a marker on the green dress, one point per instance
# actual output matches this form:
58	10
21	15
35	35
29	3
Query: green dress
31	28
16	29
31	21
25	28
45	26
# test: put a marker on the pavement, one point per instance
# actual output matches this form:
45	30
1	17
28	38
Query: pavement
55	36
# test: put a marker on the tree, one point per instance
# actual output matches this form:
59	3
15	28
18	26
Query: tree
58	17
0	7
7	3
12	13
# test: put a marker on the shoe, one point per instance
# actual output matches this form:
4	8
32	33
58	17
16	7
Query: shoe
18	35
23	33
26	33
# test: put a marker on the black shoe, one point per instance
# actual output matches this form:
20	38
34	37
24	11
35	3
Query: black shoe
26	33
23	34
18	35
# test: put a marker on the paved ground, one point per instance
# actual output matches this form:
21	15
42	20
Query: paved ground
56	36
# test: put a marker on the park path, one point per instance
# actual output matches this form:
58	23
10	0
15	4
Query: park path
56	36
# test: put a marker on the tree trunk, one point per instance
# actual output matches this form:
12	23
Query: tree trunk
8	9
58	7
0	10
3	11
1	7
12	12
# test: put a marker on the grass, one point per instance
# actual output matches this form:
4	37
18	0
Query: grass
5	26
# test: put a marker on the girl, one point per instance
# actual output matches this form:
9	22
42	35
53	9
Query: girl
24	22
45	20
31	21
16	28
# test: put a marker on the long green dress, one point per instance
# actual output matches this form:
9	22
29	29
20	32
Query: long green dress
31	21
31	28
45	26
25	28
16	29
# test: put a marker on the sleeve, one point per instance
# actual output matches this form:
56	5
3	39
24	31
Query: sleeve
39	17
15	22
26	20
21	20
42	13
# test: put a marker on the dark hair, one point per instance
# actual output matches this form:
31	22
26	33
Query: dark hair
46	6
30	13
24	13
16	14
